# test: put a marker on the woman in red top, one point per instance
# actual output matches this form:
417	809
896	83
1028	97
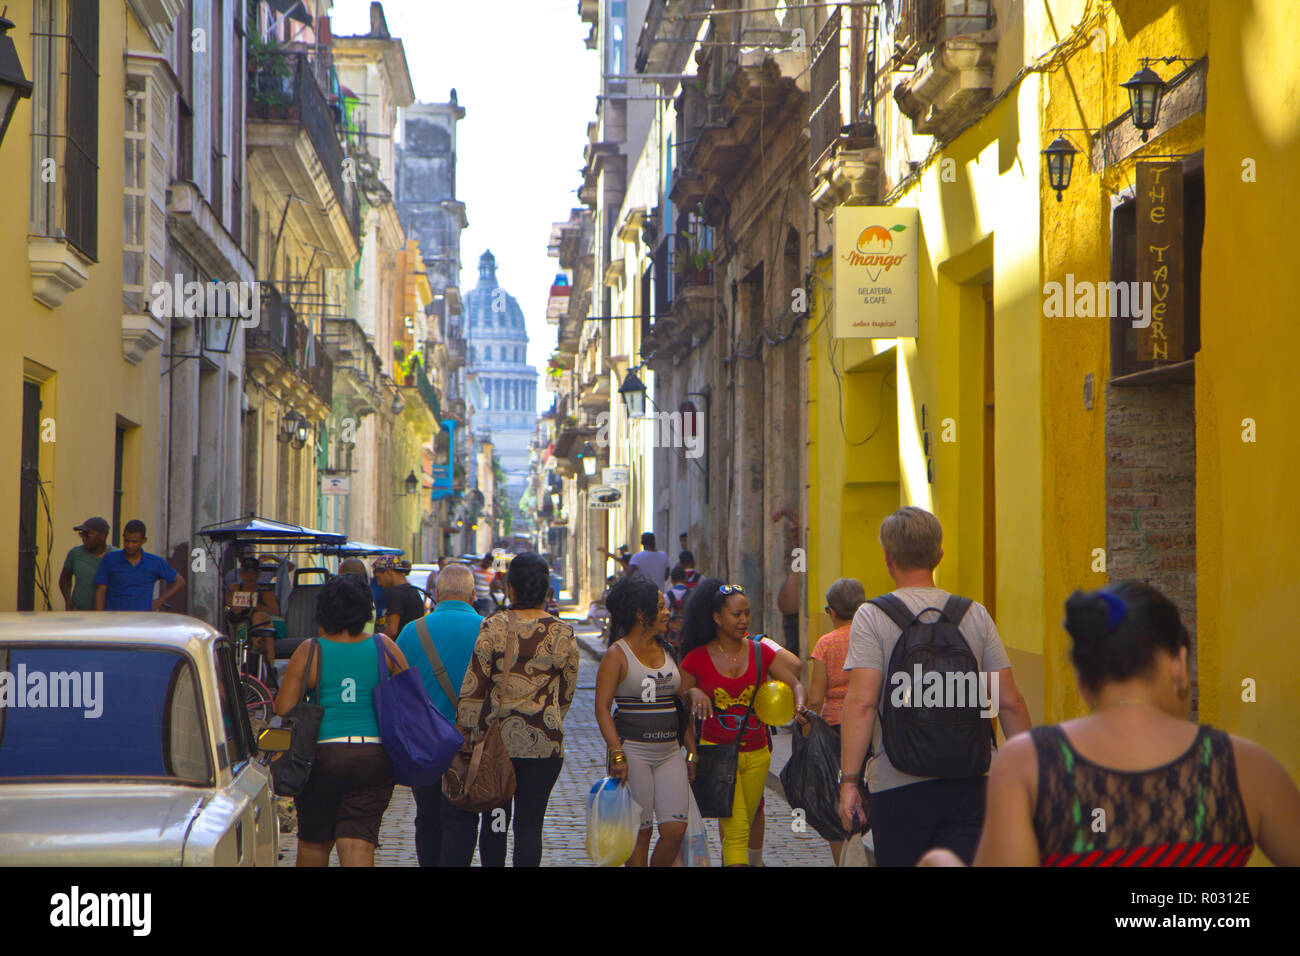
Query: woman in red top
719	679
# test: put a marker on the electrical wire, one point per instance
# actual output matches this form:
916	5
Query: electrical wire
839	393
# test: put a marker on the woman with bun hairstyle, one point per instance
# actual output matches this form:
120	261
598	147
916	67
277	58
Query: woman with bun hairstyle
1172	793
720	680
640	677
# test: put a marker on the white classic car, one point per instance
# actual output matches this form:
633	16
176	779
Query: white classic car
124	740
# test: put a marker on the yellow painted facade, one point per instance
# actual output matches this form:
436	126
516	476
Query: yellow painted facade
74	352
998	221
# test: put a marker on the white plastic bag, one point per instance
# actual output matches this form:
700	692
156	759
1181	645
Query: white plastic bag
695	845
613	821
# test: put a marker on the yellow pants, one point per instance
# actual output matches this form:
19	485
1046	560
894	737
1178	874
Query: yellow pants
751	778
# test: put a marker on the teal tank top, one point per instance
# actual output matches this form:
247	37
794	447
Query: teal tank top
349	673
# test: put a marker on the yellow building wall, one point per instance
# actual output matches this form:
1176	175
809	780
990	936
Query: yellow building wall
77	348
978	223
1247	511
1085	94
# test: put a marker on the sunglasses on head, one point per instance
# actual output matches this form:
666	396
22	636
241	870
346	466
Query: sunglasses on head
728	589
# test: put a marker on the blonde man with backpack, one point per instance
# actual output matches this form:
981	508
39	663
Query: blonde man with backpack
927	779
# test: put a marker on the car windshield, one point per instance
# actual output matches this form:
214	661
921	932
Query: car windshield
83	711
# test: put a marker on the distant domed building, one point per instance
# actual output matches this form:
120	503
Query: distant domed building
498	356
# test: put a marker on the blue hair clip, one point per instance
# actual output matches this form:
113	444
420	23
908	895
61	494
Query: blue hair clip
1116	609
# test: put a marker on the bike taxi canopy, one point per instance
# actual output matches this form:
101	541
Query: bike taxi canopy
355	549
263	531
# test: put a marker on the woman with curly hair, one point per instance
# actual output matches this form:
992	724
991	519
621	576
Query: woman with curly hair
639	675
720	679
523	675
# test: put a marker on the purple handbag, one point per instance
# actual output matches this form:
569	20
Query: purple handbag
419	741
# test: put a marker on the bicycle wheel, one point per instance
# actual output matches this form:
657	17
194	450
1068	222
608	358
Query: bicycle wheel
260	704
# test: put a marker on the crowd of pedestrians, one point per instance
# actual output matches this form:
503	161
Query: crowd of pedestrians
678	689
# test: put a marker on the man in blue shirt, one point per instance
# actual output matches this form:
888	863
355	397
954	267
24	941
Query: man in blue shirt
453	627
125	579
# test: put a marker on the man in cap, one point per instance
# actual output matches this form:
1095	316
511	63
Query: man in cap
404	600
77	581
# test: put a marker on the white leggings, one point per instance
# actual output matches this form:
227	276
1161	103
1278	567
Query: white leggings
656	775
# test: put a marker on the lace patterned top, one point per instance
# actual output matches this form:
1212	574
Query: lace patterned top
533	696
1187	813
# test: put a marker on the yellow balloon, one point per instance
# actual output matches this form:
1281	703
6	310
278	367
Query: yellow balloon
775	703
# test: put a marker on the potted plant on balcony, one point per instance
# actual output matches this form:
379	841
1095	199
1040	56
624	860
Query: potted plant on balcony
270	78
694	265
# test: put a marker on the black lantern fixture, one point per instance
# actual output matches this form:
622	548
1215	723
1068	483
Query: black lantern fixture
1060	163
633	393
412	483
1145	91
301	433
218	333
588	458
14	85
555	501
289	426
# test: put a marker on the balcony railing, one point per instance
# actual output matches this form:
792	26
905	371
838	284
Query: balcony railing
297	98
275	333
322	373
826	120
924	22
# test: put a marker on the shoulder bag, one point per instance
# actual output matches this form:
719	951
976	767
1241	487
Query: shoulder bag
481	777
419	741
715	776
291	770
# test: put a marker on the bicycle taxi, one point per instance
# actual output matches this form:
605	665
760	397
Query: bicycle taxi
280	586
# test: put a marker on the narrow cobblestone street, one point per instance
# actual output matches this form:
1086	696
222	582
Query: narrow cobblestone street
564	839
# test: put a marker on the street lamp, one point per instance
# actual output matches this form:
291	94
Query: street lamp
301	433
633	392
1145	91
1060	163
588	458
218	333
412	483
14	85
289	427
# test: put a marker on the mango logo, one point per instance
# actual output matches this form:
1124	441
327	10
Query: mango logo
874	250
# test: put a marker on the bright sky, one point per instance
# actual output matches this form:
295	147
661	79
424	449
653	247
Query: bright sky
528	85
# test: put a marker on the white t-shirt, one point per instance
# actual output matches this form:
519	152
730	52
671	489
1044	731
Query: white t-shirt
654	565
872	637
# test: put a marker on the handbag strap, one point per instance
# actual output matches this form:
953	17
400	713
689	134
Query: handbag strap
435	661
383	652
306	675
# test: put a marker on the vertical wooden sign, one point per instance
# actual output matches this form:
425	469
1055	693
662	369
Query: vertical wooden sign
1160	260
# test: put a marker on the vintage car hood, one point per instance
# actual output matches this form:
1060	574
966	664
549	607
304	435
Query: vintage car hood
93	824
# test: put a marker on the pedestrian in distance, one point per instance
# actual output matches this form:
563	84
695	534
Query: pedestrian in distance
351	780
828	680
719	679
523	674
77	580
675	598
1170	792
452	628
639	676
936	796
125	580
686	563
650	563
404	600
484	576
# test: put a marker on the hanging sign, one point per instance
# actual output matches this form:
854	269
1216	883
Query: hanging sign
875	272
335	484
1160	260
604	498
614	475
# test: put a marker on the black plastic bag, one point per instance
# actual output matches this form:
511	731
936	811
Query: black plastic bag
811	778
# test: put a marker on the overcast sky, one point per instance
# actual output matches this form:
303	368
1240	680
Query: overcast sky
528	85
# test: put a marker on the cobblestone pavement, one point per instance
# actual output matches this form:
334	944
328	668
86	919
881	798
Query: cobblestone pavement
564	838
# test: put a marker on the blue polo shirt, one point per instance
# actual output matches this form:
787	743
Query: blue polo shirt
130	586
453	626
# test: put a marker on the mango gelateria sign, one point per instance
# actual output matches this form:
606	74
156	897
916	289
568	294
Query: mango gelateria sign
875	272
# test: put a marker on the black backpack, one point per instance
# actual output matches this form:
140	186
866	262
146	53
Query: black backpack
943	741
